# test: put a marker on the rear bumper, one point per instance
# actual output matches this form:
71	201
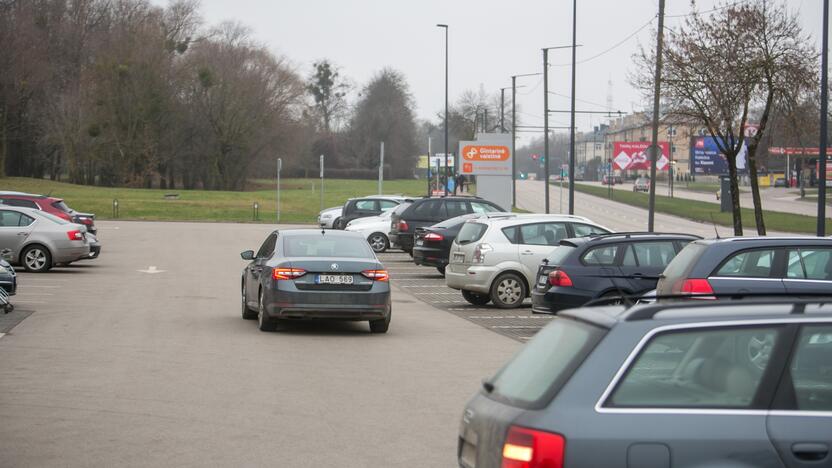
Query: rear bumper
71	254
404	240
429	257
555	299
290	303
470	278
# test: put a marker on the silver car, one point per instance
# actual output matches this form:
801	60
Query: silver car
328	217
495	259
38	240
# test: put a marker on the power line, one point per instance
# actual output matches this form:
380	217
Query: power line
609	49
723	7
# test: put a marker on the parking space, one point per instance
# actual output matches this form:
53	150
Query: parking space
426	284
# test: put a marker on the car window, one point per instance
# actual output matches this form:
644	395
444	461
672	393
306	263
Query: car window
61	206
318	245
543	233
654	254
267	248
752	263
10	218
582	230
512	234
454	208
811	369
561	253
545	363
387	204
470	232
425	209
20	203
365	205
603	255
629	256
810	263
480	207
705	368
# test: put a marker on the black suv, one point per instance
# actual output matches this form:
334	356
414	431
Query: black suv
356	208
769	265
429	211
588	268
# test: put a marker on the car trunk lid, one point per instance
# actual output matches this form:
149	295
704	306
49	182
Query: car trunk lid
334	274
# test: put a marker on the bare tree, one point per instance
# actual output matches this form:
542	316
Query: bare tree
329	92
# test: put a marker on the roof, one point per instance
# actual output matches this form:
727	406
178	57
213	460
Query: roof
22	194
312	231
765	240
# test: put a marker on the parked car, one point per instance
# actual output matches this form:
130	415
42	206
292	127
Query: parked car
38	240
356	208
611	180
750	264
376	229
780	182
588	268
328	217
429	211
690	384
496	260
312	274
642	184
8	278
433	243
51	205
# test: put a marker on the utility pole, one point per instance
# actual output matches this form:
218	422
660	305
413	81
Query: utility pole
572	120
485	121
279	167
546	126
430	168
824	104
322	182
654	156
513	141
381	169
445	27
503	110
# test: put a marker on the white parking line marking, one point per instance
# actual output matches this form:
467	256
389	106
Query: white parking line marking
516	327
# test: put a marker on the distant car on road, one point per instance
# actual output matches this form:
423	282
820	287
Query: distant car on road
356	208
780	182
51	205
683	384
312	274
496	260
38	240
642	184
376	229
587	268
328	217
611	180
750	264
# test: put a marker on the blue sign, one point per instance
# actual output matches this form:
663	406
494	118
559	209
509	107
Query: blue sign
707	160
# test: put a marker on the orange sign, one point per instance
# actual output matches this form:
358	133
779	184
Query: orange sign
485	153
467	168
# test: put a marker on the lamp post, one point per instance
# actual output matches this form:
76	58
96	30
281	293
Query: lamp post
445	27
546	121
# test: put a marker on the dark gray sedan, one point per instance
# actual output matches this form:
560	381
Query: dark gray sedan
311	274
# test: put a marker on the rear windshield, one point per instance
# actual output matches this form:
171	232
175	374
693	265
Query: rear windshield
471	232
449	223
52	217
61	206
559	254
680	266
321	245
542	367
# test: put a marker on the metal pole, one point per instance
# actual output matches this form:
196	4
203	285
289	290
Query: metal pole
671	131
427	175
322	182
655	142
485	121
513	141
445	26
502	110
572	123
824	78
279	167
381	169
546	126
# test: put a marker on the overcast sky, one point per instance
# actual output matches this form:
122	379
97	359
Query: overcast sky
490	40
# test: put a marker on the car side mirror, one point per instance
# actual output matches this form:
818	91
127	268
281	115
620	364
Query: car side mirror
247	255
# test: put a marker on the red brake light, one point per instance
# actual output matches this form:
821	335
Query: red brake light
698	287
63	215
376	275
559	278
287	273
75	235
432	236
403	226
527	448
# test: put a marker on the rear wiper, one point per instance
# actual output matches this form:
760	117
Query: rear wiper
487	385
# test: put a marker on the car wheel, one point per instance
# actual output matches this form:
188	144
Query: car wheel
476	299
247	313
613	294
378	242
264	322
381	325
337	224
36	259
441	270
508	291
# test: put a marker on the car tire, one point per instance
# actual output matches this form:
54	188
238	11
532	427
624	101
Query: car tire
337	224
36	259
246	313
378	242
508	291
441	270
264	322
381	325
476	299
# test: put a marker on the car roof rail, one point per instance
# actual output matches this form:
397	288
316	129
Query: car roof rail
640	233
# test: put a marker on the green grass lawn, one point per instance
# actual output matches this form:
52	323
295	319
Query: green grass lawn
300	199
703	211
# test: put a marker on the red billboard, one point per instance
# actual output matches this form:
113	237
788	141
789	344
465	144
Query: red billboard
635	155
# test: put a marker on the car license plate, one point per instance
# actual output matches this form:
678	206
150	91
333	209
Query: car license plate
334	279
459	257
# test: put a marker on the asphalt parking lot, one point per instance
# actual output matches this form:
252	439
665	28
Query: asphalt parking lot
426	284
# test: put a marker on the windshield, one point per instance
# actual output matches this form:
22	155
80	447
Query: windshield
560	254
61	206
321	245
471	232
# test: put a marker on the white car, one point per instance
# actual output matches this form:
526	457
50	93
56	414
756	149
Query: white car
496	259
327	217
376	229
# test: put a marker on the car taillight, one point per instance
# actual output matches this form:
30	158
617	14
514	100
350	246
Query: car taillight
559	278
287	273
527	448
75	235
479	253
63	215
376	275
432	236
697	287
86	221
403	226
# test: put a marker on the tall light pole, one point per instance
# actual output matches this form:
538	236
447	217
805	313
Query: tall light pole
445	27
546	121
654	154
572	119
503	107
824	98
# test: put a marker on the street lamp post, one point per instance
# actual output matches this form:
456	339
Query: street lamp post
546	120
445	27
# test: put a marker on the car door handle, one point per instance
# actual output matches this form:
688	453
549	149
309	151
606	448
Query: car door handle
810	451
527	252
22	233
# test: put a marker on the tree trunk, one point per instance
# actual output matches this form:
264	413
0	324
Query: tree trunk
755	193
735	194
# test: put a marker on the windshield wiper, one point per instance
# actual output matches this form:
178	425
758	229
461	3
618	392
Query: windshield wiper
487	385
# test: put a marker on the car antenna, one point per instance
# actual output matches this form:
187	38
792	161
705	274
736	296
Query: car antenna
711	214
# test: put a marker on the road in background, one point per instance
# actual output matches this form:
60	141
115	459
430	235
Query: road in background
119	366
